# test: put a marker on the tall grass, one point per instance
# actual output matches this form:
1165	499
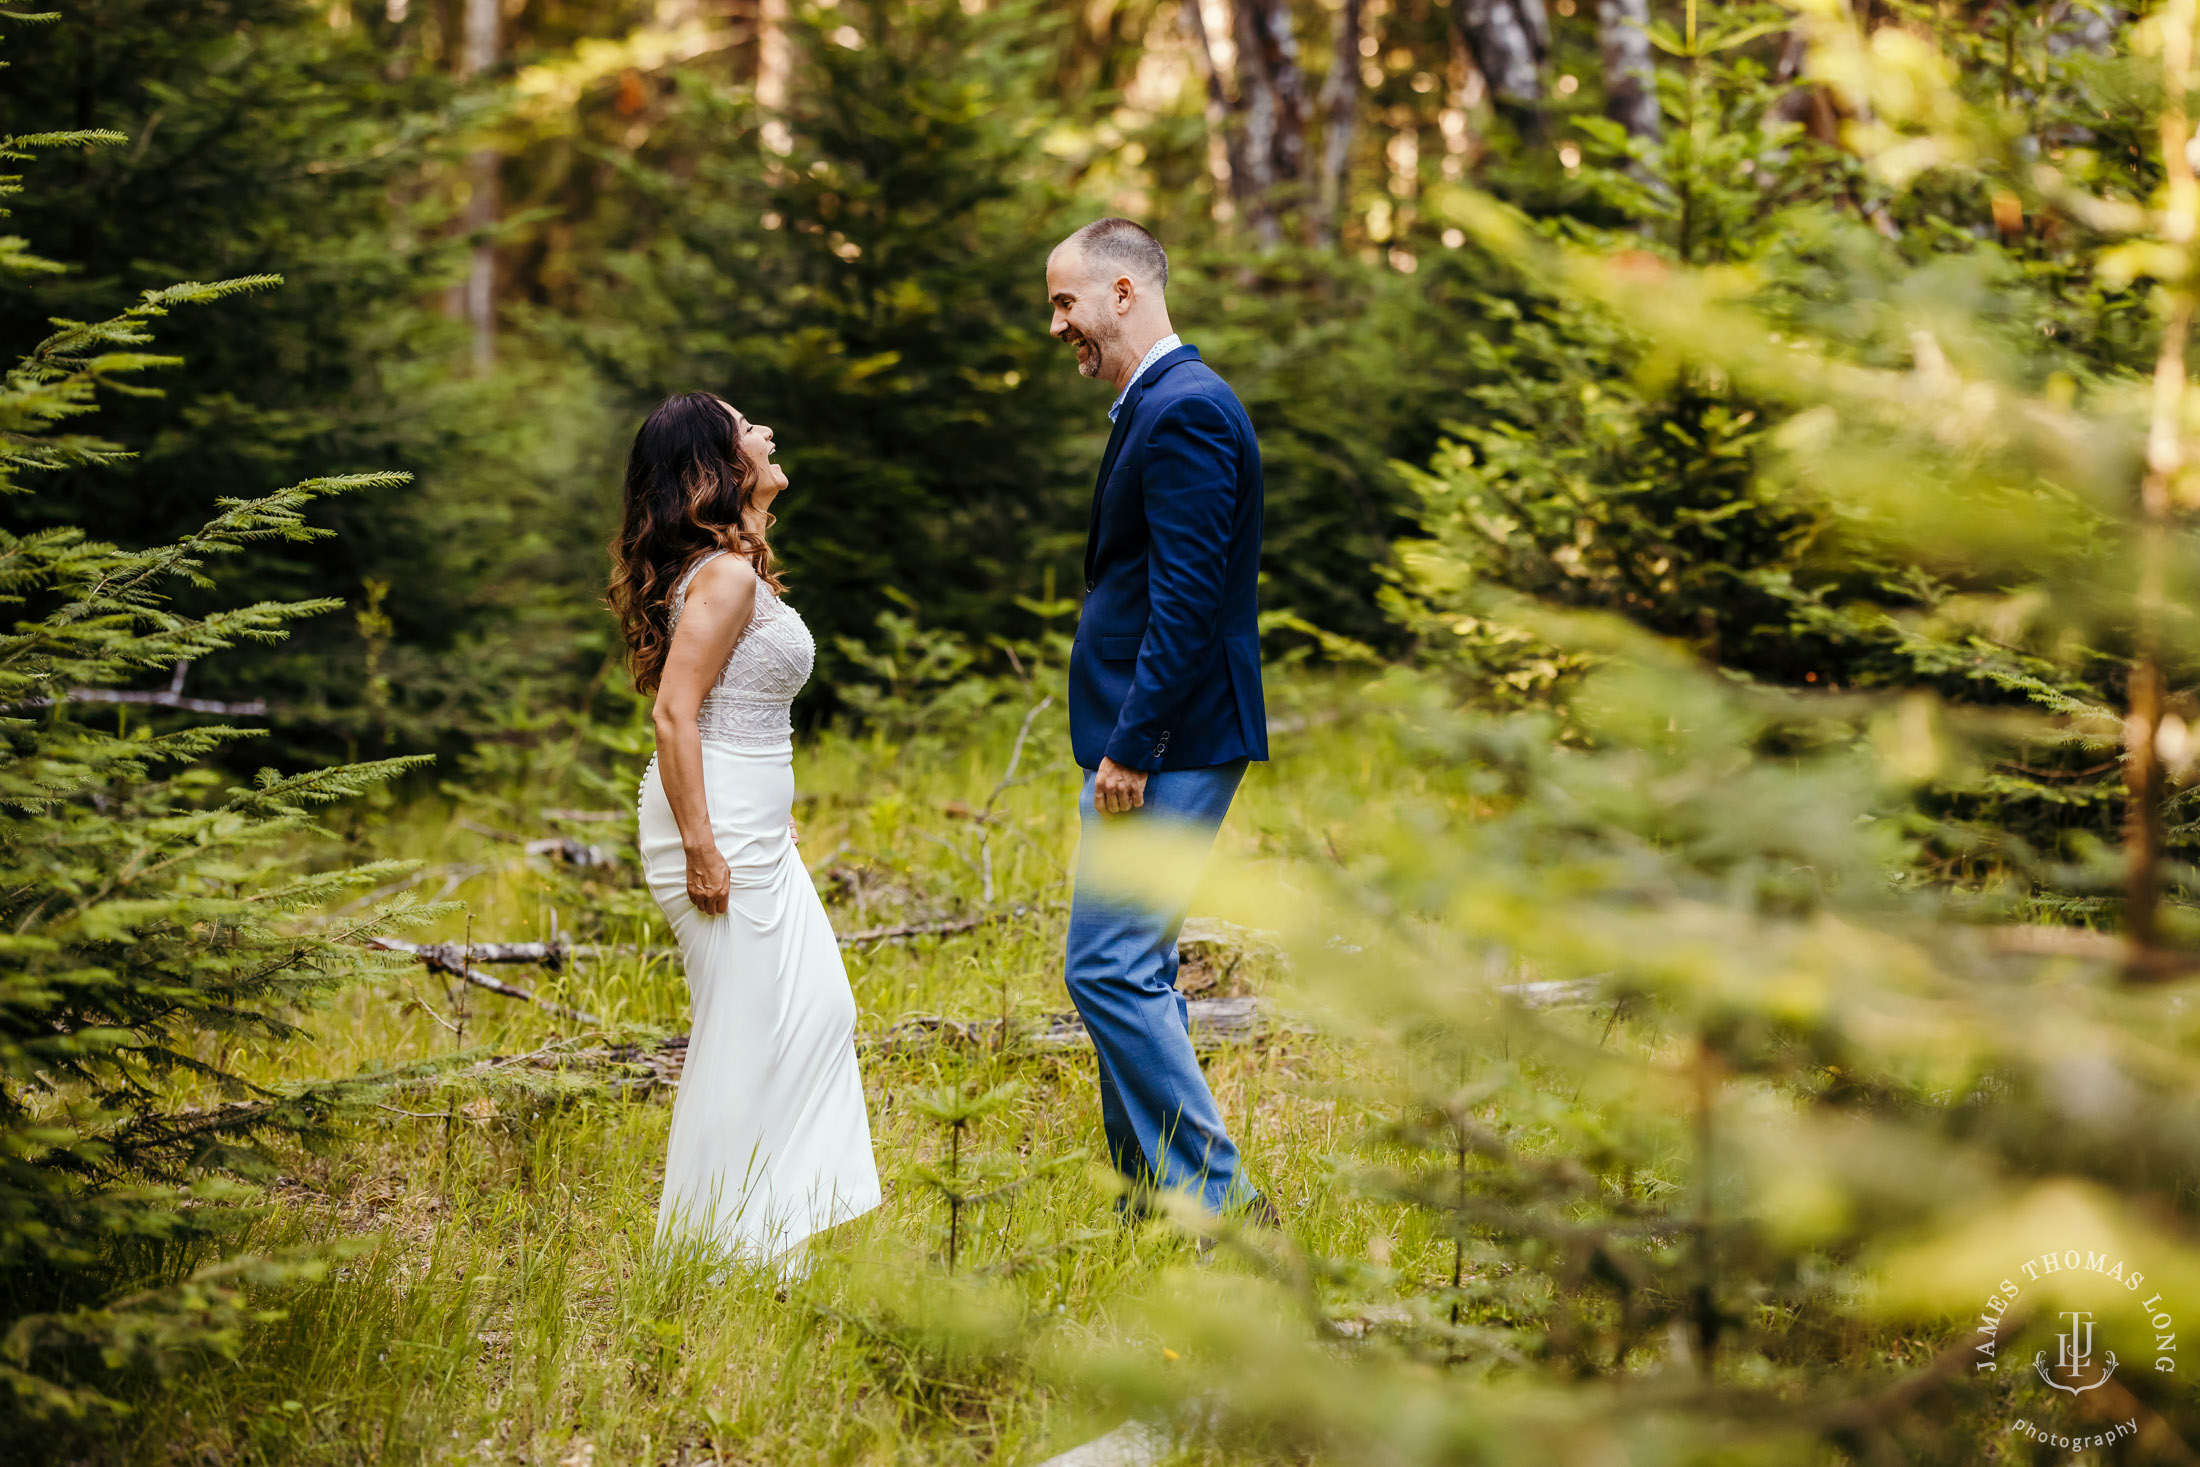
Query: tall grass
507	1306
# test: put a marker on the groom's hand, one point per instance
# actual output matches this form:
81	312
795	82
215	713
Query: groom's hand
1117	790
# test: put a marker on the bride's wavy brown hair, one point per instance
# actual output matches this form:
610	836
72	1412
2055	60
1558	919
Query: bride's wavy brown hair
687	488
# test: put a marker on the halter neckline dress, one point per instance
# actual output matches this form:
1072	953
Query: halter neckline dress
770	1139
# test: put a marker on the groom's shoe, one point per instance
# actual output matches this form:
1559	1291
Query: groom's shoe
1255	1212
1137	1203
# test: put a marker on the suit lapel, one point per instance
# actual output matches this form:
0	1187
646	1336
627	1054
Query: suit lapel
1120	431
1115	444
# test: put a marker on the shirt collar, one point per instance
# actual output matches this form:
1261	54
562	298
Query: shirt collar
1153	354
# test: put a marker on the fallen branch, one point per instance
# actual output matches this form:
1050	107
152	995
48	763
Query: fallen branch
940	928
168	697
564	847
895	932
1215	1022
439	957
645	1064
551	955
598	951
659	1061
161	698
448	955
418	1115
1007	782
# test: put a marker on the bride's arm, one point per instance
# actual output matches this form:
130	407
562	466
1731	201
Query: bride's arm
720	602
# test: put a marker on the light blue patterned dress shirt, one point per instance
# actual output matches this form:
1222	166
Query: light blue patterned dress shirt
1153	354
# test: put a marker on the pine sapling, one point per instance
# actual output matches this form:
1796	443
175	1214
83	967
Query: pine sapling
949	1107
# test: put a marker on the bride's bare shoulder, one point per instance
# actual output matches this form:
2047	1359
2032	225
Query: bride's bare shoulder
724	575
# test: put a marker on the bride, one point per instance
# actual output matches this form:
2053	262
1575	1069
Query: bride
770	1140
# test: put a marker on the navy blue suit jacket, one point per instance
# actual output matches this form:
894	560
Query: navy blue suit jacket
1166	669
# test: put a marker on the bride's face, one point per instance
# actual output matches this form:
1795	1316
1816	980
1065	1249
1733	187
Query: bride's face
756	444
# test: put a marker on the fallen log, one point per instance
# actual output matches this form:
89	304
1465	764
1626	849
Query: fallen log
168	697
158	698
458	959
1216	1023
555	955
448	955
445	957
660	1063
1212	954
895	932
643	1065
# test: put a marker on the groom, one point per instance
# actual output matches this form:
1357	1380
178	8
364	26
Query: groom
1164	689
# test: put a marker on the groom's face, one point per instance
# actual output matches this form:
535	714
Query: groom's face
1085	314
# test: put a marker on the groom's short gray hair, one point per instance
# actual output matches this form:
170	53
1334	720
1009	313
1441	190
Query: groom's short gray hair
1126	244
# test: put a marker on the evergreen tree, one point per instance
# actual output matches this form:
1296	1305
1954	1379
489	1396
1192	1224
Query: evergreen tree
268	138
1595	466
148	908
877	295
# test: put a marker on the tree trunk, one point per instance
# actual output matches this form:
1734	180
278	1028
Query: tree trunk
1272	103
1259	115
1341	104
1509	39
2145	778
1225	147
1268	44
2093	30
1630	73
477	55
774	64
1260	134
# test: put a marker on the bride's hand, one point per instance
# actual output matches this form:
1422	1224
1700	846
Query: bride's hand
794	832
709	880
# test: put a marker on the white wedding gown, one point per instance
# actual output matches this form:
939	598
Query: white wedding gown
770	1139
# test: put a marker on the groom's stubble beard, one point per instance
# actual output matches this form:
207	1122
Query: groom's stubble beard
1093	363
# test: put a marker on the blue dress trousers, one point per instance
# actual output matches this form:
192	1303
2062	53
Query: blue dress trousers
1164	677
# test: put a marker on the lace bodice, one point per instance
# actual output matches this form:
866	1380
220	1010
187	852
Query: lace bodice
767	667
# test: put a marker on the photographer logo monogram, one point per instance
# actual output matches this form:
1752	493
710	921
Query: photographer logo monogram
2074	1357
2083	1357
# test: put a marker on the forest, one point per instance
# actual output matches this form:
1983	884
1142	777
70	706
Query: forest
1701	976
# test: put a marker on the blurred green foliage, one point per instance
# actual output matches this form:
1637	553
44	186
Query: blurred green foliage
1737	1141
1616	458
